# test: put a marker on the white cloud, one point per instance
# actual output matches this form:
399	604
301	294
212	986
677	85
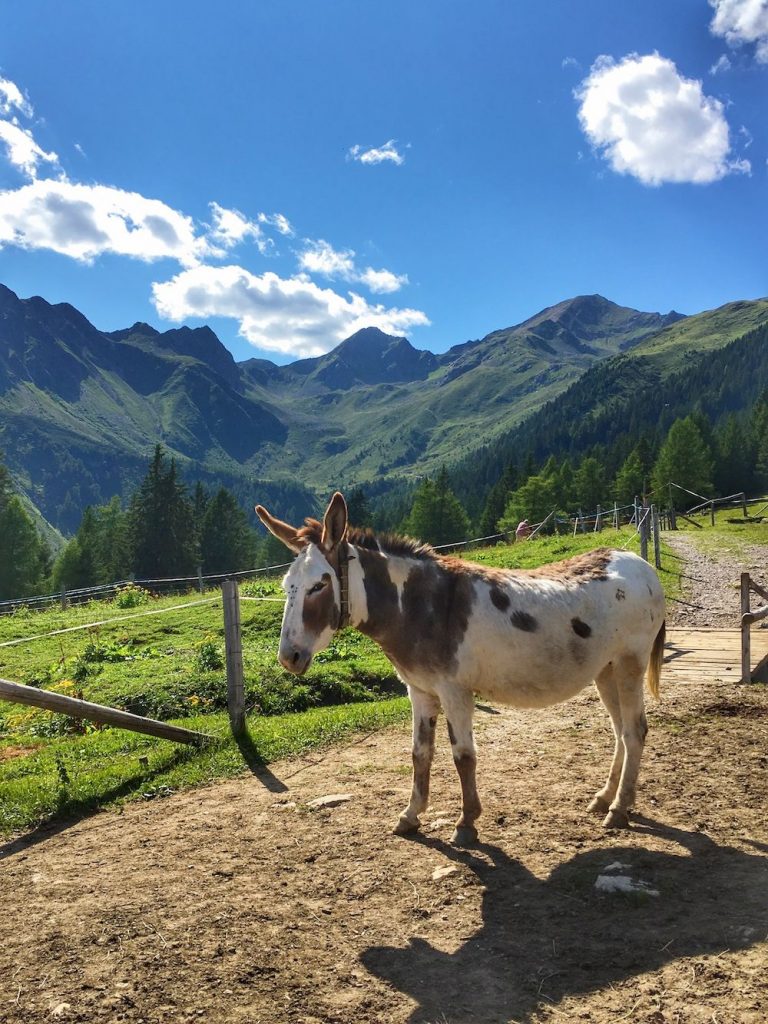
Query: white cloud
22	150
230	228
11	98
277	221
377	155
83	221
722	64
293	316
382	282
651	122
742	21
570	62
20	146
321	258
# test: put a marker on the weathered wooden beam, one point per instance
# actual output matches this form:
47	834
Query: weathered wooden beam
746	657
754	616
20	694
758	589
234	651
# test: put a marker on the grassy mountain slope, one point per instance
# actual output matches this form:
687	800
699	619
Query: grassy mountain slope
80	409
716	362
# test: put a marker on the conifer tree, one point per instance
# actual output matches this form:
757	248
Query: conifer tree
162	525
437	515
24	555
496	501
359	509
227	542
590	485
736	455
533	500
631	479
685	460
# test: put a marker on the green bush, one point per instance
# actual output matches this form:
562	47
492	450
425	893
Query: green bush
131	596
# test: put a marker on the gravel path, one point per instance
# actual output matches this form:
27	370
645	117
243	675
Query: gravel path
711	585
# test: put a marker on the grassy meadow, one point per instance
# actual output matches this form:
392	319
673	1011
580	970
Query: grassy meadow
164	658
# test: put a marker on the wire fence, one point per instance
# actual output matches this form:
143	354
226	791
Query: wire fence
595	520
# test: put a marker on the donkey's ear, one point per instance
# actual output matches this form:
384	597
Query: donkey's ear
335	522
289	535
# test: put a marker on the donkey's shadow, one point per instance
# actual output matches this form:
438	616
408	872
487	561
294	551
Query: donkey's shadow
541	941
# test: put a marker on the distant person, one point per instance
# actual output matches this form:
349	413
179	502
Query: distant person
523	530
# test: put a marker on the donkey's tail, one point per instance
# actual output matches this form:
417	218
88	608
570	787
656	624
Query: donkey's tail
657	660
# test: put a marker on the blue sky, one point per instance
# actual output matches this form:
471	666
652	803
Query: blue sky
291	171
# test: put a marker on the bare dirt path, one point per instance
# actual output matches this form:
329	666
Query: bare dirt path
238	903
235	903
711	584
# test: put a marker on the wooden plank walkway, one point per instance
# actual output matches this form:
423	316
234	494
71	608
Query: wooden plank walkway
710	655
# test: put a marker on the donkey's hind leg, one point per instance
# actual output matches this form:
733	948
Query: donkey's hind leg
459	708
634	727
425	709
609	694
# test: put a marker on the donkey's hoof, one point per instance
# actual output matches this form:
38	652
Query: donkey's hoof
598	805
405	826
616	819
465	835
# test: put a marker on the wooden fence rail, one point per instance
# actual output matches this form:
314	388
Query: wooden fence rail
76	708
748	617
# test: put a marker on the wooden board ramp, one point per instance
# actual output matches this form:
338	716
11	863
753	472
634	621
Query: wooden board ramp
709	655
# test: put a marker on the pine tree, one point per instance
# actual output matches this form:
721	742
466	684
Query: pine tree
630	479
685	460
736	455
590	485
496	501
227	543
162	526
76	565
437	515
359	509
24	555
533	500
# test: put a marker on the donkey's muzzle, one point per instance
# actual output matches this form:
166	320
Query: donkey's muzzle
295	661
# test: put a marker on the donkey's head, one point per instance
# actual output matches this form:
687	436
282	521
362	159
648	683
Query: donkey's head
312	589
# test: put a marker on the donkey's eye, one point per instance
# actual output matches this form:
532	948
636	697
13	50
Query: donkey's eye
317	587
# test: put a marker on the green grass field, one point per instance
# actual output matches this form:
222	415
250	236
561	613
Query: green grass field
165	658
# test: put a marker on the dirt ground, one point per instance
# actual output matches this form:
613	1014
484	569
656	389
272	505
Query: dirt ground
238	903
711	587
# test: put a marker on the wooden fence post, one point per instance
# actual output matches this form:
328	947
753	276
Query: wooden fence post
744	502
234	651
200	578
64	602
746	654
656	536
712	513
643	526
598	520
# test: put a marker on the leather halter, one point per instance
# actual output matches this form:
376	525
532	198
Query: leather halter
343	577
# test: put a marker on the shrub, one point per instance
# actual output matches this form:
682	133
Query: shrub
131	596
210	656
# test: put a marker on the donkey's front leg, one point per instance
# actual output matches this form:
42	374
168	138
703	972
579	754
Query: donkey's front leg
459	706
425	710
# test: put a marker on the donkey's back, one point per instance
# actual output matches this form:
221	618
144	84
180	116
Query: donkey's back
537	637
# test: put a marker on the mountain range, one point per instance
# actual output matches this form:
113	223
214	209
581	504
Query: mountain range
81	409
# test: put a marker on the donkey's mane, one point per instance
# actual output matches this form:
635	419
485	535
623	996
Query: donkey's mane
388	543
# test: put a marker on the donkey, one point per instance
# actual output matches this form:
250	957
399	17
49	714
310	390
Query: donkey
452	628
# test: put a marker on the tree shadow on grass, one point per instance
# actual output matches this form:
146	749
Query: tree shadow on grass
541	941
